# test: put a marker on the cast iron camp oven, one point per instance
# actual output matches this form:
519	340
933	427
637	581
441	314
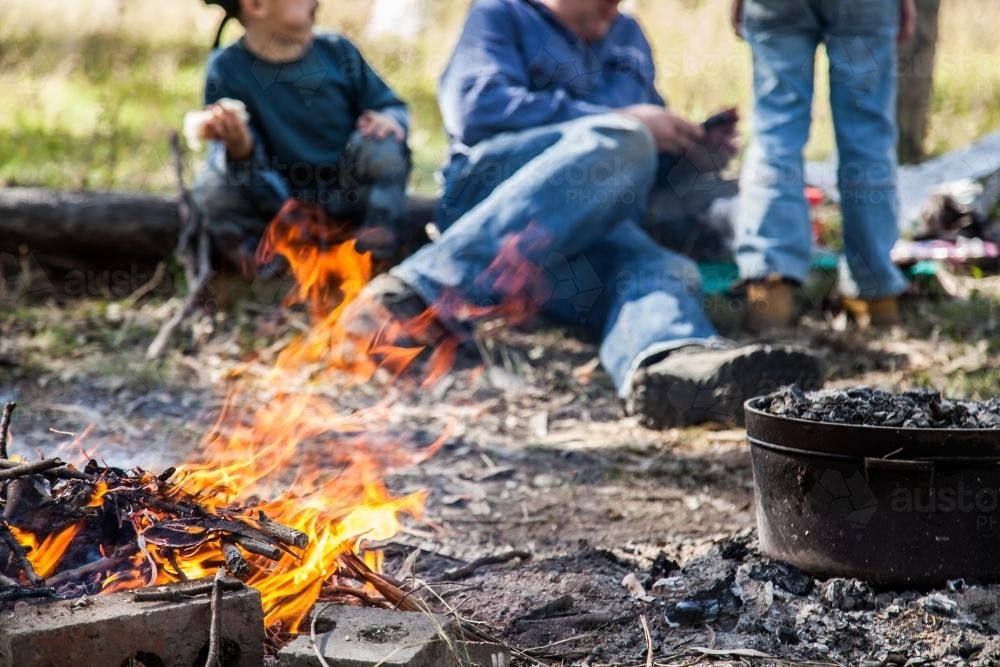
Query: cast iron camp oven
894	506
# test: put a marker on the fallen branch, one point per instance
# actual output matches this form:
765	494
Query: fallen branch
469	569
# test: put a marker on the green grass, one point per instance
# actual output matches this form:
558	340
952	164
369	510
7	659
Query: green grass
91	90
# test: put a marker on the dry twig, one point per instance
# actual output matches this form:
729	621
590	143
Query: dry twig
215	631
649	640
8	408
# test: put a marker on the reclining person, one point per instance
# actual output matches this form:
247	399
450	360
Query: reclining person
557	133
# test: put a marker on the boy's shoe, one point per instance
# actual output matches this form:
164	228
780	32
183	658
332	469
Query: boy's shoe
379	234
390	311
879	313
770	304
694	384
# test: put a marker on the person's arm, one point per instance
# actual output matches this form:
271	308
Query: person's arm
487	90
236	146
376	100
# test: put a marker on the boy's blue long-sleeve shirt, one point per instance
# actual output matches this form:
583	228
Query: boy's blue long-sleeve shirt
516	67
302	113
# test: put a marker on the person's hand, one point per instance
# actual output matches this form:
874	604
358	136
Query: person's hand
907	20
375	125
720	145
227	126
671	133
736	17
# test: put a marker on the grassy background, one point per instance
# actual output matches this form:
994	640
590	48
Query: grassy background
92	88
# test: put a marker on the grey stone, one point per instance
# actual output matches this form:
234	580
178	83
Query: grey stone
111	629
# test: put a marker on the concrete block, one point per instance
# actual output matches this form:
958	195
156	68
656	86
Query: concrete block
361	637
110	630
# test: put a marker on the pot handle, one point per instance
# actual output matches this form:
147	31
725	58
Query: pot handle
894	472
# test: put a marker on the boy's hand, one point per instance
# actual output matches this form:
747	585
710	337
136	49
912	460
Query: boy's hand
375	125
227	126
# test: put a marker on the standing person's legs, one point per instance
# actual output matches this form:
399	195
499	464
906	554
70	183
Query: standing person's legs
861	43
773	234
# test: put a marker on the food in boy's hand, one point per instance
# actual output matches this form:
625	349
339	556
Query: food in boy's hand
195	121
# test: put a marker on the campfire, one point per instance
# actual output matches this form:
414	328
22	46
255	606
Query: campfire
288	524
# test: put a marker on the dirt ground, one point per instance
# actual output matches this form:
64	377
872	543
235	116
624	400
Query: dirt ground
538	458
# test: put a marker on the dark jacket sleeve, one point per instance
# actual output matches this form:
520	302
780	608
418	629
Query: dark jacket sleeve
217	87
372	93
486	88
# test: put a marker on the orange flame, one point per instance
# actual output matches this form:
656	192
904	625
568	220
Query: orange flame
45	557
336	495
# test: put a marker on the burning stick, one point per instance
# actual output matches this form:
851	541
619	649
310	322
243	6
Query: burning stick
179	593
60	472
21	593
8	408
235	562
30	468
102	565
19	555
390	591
283	534
260	548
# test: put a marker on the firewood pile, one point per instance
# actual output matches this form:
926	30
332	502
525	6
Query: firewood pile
68	533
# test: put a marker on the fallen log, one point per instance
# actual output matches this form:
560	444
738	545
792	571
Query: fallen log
73	229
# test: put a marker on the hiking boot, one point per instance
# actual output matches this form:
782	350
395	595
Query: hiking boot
878	313
770	304
695	384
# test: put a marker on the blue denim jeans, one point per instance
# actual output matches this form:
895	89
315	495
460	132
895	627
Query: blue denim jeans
568	199
370	191
773	233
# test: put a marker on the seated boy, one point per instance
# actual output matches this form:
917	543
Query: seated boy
321	127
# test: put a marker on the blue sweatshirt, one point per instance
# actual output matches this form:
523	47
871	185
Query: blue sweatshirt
301	113
516	67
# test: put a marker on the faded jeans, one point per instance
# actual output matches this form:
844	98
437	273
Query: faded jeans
567	199
370	192
773	232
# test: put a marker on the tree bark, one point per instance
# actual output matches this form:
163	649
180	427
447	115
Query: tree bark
916	81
